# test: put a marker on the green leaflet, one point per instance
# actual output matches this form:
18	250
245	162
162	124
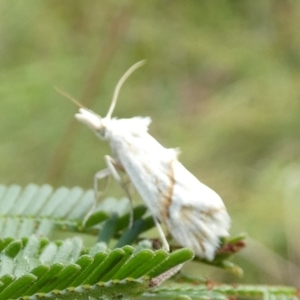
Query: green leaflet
40	209
64	271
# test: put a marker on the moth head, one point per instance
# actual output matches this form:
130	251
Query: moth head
93	121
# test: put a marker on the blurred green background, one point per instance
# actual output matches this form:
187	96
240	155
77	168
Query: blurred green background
221	82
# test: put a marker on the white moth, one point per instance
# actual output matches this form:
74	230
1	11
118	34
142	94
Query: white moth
193	213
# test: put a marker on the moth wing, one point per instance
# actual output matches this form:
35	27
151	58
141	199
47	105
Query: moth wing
198	217
148	164
194	214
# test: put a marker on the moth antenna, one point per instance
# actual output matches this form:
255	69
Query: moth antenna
77	103
119	85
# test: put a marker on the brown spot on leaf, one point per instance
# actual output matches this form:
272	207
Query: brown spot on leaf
231	248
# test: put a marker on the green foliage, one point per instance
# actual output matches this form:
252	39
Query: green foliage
225	292
34	267
221	83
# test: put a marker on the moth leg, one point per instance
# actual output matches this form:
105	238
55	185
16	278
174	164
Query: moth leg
111	164
165	243
103	174
99	175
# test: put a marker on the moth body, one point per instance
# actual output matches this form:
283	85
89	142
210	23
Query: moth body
193	213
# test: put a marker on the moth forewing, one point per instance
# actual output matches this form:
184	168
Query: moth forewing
193	213
198	217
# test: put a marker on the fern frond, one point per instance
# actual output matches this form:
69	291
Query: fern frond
222	291
37	209
33	268
40	209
